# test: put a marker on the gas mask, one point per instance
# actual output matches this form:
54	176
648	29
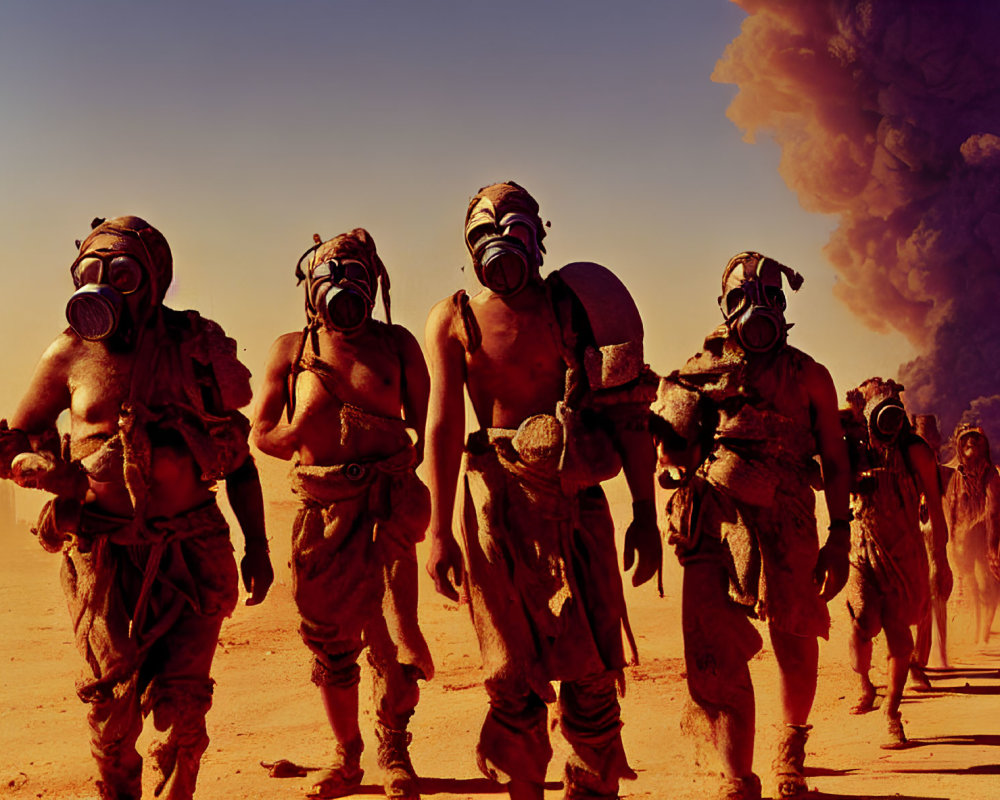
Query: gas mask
886	418
878	404
503	233
121	276
342	292
342	278
972	446
753	302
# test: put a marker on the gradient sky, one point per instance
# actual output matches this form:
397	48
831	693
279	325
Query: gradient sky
241	128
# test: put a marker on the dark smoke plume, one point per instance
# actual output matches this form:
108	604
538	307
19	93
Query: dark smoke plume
887	113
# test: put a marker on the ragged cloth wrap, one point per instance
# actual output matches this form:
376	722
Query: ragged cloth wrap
353	554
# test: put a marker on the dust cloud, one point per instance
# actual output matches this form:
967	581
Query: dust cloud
887	115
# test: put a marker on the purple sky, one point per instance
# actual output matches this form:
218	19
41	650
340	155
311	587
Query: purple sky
241	128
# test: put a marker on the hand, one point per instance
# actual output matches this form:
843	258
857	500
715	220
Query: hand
258	575
831	571
445	565
643	537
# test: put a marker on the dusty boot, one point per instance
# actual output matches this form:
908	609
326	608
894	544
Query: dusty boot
745	788
788	764
398	777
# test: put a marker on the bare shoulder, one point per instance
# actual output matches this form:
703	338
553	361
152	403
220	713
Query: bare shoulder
285	349
439	326
815	377
405	341
64	351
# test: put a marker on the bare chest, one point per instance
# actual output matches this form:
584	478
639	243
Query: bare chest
367	378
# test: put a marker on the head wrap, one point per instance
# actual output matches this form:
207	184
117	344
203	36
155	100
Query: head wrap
760	266
356	245
137	237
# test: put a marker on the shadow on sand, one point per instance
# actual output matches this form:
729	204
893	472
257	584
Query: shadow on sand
468	786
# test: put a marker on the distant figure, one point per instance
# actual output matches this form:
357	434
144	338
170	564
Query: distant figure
935	620
889	588
738	427
346	400
972	509
554	369
148	568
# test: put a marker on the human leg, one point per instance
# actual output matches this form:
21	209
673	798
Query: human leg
514	742
861	662
798	660
864	604
899	643
989	593
115	725
178	698
719	641
338	679
395	693
939	609
590	720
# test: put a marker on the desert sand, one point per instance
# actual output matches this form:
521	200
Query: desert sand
266	709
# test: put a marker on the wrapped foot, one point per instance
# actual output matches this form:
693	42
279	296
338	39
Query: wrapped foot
866	700
789	763
897	738
344	776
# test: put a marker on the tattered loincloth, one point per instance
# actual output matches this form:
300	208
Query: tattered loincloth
546	594
356	522
127	584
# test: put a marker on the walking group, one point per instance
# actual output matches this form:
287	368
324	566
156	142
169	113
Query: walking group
742	435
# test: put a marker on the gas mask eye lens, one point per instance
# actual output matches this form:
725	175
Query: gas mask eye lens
478	229
355	272
324	270
87	271
775	297
735	300
125	274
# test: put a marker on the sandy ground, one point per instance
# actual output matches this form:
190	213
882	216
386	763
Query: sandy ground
266	709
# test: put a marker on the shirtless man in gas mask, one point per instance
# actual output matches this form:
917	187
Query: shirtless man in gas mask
148	571
738	428
346	401
554	370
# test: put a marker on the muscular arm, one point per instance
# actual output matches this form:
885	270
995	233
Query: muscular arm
417	382
831	568
271	433
34	422
48	392
445	433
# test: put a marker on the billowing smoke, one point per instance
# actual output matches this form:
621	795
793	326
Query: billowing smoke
887	113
